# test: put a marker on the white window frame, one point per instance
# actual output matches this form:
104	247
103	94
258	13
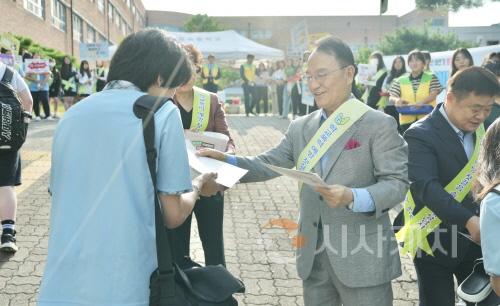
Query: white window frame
35	7
57	22
100	5
93	37
77	31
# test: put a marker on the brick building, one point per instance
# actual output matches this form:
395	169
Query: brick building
63	24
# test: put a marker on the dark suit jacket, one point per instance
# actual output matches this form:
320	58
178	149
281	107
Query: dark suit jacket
436	156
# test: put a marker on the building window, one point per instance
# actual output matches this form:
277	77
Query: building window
110	11
117	19
128	3
36	7
101	38
100	5
123	27
91	34
59	15
437	22
133	9
77	28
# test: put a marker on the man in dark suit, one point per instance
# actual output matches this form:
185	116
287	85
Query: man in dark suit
440	146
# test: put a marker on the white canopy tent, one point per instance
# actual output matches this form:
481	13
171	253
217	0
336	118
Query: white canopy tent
228	45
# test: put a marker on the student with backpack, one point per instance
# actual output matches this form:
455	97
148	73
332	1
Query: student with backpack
15	104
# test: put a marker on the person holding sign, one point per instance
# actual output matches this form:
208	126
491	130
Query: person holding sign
39	77
202	111
439	211
414	94
359	154
372	95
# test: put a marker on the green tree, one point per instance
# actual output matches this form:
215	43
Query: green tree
405	39
454	5
202	23
363	54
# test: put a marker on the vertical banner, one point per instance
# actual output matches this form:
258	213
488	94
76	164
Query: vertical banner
94	51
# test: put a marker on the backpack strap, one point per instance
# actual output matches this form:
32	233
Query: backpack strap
8	75
145	108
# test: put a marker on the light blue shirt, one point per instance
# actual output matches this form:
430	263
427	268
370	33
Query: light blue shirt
102	247
466	139
34	86
490	227
363	201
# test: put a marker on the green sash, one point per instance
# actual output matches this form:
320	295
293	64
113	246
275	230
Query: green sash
201	110
329	132
69	84
418	226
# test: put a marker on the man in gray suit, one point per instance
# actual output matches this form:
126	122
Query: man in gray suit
349	255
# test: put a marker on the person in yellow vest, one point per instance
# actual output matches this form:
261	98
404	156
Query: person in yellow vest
372	93
414	94
210	75
247	73
441	224
362	159
202	111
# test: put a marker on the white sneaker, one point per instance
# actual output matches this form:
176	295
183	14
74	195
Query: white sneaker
37	118
50	118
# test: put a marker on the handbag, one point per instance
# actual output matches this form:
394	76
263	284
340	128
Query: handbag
476	288
169	284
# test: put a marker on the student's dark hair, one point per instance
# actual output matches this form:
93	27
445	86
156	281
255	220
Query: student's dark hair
83	70
488	162
144	56
493	66
66	69
427	55
394	74
342	53
465	53
380	58
474	80
417	55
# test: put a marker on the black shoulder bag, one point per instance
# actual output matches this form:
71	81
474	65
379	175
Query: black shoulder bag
170	285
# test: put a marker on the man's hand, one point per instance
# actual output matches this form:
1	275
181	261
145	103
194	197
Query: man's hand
472	226
206	183
336	195
400	102
218	155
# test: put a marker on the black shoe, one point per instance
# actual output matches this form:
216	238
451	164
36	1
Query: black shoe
8	243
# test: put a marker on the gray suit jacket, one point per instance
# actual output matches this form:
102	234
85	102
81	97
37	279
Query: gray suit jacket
362	247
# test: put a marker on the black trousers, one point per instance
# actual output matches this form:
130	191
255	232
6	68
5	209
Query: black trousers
41	97
211	87
261	94
250	98
435	280
297	107
209	212
279	93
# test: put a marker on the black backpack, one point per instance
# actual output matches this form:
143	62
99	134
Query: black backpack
12	127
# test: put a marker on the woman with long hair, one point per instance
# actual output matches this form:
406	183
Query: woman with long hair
209	211
488	192
372	93
461	59
55	87
85	80
68	82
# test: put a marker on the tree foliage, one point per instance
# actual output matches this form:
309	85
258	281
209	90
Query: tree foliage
454	5
45	52
202	23
403	40
363	54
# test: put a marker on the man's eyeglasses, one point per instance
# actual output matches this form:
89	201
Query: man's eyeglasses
321	76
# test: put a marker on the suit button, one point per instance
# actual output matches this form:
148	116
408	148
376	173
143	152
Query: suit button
321	198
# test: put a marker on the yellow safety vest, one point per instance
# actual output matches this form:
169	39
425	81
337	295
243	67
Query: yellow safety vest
249	71
408	94
201	110
213	74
